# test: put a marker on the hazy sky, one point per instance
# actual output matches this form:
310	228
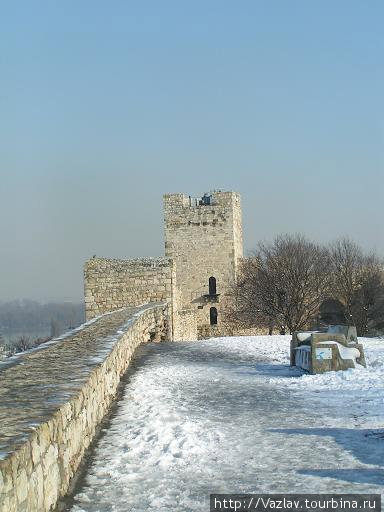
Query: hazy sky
105	106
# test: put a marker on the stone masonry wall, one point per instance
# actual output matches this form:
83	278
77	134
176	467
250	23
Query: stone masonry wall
204	240
185	325
213	331
53	399
111	284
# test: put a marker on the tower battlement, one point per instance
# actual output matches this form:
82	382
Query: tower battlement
213	198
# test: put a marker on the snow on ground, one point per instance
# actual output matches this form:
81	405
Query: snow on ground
229	415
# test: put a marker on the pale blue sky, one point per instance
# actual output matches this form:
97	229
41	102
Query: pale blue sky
105	106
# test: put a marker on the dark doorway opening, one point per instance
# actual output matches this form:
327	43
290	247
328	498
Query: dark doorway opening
213	316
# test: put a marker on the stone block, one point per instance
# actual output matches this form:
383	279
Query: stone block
21	486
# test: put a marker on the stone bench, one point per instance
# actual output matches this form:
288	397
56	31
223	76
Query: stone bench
319	352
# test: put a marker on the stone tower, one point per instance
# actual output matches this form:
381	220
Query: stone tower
204	239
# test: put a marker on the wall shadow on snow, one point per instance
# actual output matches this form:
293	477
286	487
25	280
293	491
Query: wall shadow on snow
201	354
360	475
366	445
227	387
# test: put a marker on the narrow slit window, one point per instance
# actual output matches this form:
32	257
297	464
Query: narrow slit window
213	316
212	286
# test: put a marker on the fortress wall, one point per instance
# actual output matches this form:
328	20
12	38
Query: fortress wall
53	400
213	331
185	325
111	284
204	240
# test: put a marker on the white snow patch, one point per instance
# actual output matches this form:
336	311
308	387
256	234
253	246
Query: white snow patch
230	415
345	352
358	378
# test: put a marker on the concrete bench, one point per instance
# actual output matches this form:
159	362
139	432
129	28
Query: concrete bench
333	350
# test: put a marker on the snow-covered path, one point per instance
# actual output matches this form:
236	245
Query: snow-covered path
228	415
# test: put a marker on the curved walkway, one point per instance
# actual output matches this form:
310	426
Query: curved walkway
222	416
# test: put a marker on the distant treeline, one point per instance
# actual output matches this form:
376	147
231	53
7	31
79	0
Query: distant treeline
29	315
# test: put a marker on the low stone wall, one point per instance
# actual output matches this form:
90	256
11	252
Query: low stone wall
111	284
225	330
53	398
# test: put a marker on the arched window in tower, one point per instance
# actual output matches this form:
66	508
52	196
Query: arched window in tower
212	286
213	316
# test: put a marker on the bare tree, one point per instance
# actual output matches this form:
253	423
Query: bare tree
284	282
357	282
368	300
346	267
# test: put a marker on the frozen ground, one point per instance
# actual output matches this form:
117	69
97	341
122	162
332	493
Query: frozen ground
229	415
